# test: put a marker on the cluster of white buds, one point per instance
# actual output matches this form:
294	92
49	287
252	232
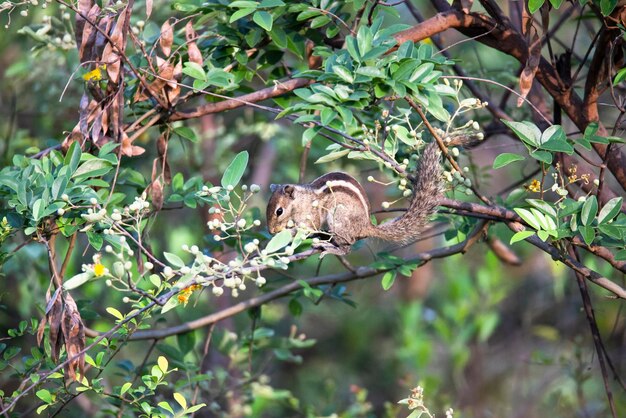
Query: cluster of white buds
139	204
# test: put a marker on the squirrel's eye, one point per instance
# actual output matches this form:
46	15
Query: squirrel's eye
279	211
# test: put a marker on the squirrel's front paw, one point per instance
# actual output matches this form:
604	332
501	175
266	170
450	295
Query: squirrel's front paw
329	248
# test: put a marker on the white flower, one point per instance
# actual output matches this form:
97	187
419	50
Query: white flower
241	223
148	265
93	201
250	247
116	217
60	211
260	281
385	205
217	291
255	188
65	197
195	249
168	272
256	222
185	270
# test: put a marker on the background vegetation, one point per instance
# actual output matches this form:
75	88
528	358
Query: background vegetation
139	142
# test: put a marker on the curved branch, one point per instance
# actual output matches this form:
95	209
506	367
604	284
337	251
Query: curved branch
361	273
267	93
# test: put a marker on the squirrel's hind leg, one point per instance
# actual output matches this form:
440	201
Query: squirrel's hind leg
330	248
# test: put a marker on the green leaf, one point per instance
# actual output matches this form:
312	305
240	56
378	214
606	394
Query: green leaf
174	260
619	77
534	5
543	156
556	3
388	278
486	325
526	131
370	72
520	236
114	312
194	70
162	363
610	210
241	13
125	388
611	231
588	233
166	406
44	395
543	235
343	73
607	6
235	170
421	72
279	241
186	133
72	158
38	209
181	400
332	156
506	159
77	280
544	206
590	208
92	168
528	217
263	19
295	307
243	4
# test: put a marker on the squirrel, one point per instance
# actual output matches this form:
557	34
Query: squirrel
337	204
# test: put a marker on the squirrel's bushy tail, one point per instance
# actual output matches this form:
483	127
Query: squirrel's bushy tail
427	190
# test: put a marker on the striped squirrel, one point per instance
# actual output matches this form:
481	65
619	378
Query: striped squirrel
336	203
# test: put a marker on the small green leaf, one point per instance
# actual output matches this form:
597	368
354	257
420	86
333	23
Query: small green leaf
590	208
77	280
388	278
186	133
163	363
235	170
243	4
166	406
38	209
44	395
528	217
534	5
279	241
181	400
125	388
520	236
610	210
506	159
526	131
607	6
194	70
343	73
72	158
114	312
174	260
263	19
588	233
332	156
619	77
92	168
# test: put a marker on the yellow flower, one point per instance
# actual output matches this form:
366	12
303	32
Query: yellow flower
184	295
98	269
427	41
534	186
94	75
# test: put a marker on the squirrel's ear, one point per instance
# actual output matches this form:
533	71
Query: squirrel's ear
273	187
288	190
